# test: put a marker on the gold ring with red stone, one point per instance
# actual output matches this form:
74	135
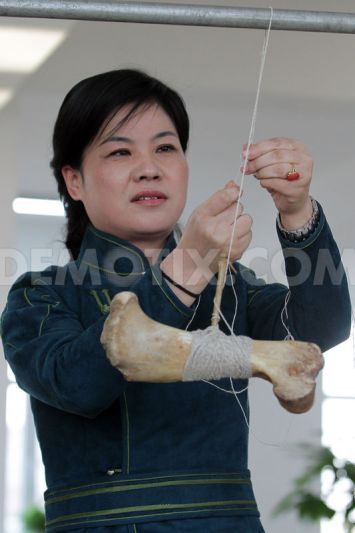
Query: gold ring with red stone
292	175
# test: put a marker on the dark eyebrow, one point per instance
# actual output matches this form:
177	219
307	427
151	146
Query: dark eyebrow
164	134
117	138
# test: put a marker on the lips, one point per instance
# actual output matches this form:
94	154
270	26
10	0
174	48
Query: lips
149	196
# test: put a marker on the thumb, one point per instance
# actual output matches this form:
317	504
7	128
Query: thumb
230	184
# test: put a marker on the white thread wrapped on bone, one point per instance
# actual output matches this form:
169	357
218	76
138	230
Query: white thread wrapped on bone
214	355
145	350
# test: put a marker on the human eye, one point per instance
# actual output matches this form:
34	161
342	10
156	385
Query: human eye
119	152
166	148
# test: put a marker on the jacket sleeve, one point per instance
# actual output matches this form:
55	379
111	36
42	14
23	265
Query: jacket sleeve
316	306
57	360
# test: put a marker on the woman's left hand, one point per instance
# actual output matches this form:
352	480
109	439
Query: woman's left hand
270	161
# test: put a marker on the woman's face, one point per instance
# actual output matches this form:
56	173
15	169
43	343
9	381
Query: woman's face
133	182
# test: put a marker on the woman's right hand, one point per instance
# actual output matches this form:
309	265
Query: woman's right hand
206	237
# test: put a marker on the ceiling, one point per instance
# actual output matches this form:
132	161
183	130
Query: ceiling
11	79
316	66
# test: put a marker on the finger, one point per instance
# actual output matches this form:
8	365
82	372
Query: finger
220	201
282	186
242	237
275	158
244	243
281	172
223	230
230	184
229	214
243	225
276	143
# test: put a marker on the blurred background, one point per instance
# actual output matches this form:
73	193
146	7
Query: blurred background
308	93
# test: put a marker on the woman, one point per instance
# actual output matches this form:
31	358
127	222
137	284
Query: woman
139	457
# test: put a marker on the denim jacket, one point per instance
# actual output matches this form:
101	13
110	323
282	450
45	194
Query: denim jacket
122	453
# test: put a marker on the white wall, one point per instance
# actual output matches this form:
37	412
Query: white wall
8	179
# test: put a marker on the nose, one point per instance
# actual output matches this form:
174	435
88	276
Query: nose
147	169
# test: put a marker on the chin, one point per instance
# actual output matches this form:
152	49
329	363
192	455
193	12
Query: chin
154	231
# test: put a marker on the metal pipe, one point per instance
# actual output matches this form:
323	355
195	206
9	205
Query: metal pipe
180	14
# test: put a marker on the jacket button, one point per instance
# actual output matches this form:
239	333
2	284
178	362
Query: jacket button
110	472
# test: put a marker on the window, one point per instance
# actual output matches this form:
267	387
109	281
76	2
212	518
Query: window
24	476
39	244
338	415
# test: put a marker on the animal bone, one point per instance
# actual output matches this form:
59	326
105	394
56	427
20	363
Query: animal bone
145	350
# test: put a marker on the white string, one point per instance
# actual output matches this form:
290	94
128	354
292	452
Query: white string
284	318
228	270
195	311
228	391
265	443
235	394
252	128
250	140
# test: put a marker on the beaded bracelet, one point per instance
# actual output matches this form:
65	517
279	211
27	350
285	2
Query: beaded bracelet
301	234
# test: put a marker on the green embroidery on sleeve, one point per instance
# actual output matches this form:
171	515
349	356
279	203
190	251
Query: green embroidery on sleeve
252	294
49	309
27	298
44	319
47	297
104	307
11	345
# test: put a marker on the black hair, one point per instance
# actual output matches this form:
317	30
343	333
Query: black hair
86	110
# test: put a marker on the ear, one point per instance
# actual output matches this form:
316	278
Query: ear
74	182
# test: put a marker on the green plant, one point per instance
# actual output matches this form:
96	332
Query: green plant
311	506
33	519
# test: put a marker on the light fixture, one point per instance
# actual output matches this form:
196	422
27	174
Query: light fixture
38	206
5	96
25	49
